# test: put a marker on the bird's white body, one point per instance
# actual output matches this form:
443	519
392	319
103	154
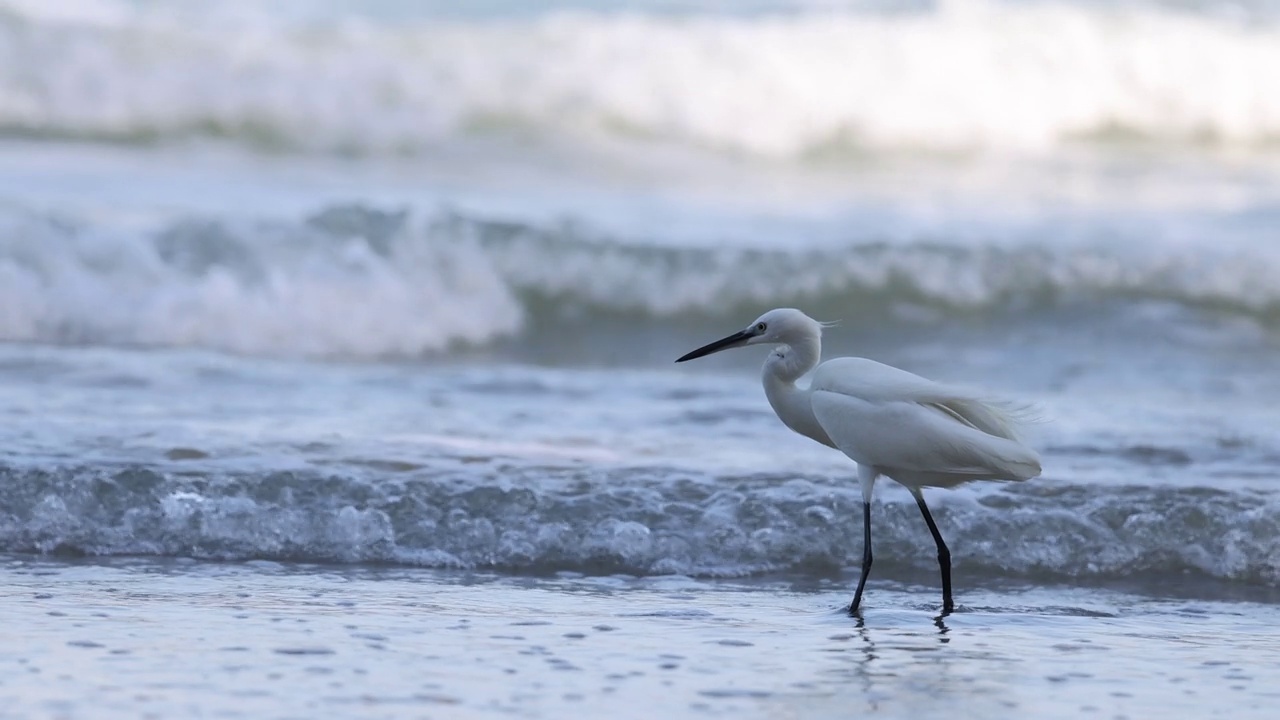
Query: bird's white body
915	431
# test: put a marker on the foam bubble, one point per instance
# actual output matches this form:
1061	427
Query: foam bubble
639	521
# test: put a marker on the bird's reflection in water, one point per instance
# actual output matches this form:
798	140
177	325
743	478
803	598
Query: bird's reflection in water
940	622
865	672
880	662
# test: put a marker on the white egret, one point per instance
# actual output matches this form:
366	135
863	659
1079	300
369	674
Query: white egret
890	422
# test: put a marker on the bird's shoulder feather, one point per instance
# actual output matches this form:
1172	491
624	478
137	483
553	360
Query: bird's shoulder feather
870	380
919	443
879	383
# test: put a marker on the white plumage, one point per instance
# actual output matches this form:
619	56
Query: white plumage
915	431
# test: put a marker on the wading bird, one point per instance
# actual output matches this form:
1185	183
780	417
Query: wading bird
914	431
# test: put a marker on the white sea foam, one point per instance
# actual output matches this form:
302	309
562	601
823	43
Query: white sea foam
356	282
267	290
636	521
969	75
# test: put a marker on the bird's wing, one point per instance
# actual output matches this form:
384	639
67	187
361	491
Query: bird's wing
873	381
894	420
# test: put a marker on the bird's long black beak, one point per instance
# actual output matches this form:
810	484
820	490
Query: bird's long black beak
717	346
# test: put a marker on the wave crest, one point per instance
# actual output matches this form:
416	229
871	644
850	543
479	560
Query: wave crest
965	75
637	521
357	282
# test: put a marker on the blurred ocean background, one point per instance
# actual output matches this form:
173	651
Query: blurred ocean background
396	286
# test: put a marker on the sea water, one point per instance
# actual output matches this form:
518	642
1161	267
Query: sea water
336	375
175	638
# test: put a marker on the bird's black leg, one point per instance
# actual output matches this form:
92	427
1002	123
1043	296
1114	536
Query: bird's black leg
866	557
944	555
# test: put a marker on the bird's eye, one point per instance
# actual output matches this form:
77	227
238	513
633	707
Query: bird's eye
761	327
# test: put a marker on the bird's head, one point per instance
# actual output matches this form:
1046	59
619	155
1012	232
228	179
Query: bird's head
783	326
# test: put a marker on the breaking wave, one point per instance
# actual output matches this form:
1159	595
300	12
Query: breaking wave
960	75
356	282
636	521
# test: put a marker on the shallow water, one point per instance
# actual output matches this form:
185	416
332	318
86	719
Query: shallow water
336	355
635	470
138	638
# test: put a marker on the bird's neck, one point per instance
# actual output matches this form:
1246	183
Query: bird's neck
789	362
791	403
